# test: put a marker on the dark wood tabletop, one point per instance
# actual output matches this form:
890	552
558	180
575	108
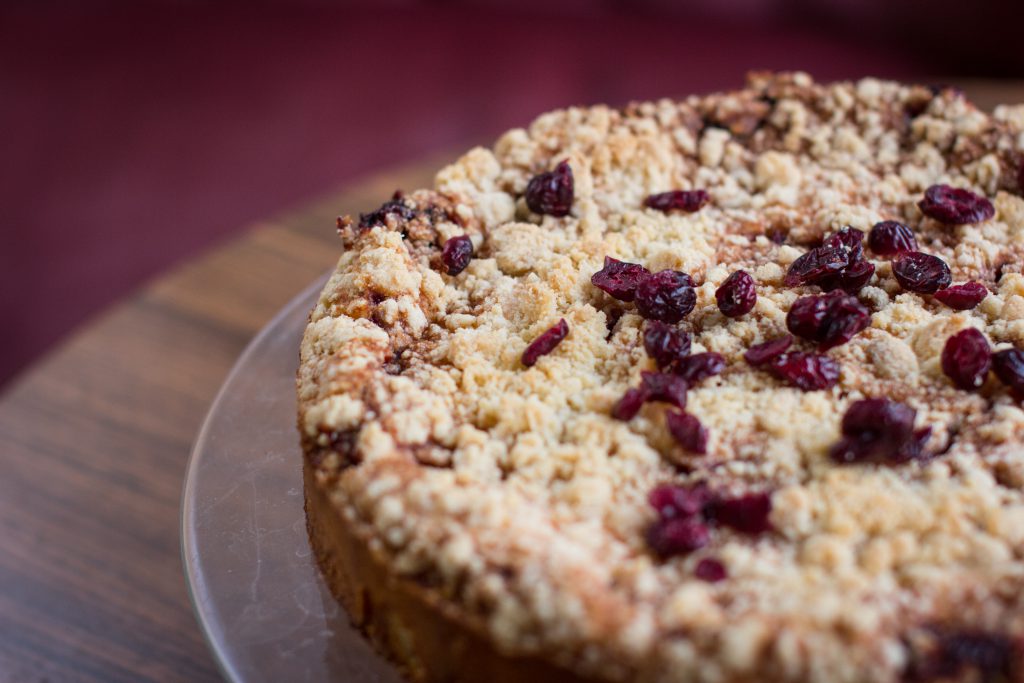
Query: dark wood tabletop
94	442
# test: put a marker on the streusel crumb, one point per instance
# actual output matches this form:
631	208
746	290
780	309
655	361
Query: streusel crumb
516	494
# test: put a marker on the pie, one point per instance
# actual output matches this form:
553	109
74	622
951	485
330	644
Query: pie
722	389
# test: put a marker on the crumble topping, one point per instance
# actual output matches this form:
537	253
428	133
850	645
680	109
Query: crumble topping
521	493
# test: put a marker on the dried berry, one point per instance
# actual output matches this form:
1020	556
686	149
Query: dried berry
759	354
962	297
829	319
920	272
670	500
629	405
659	386
877	430
1009	368
678	200
677	536
737	294
687	431
343	442
667	295
889	238
747	514
393	207
665	344
815	265
619	279
967	358
853	279
850	238
612	317
955	206
685	516
992	657
456	254
551	193
829	265
545	343
807	371
711	570
698	366
914	449
679	501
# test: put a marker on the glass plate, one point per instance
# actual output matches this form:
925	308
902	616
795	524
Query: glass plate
257	592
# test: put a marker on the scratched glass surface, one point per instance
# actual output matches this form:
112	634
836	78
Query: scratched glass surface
266	613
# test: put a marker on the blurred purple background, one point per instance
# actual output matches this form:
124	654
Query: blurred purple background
133	135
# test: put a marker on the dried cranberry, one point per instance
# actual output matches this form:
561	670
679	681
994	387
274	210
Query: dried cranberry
698	366
815	265
829	319
992	656
343	442
665	344
876	430
737	294
945	88
393	207
853	279
679	501
920	272
619	279
677	536
687	431
1009	368
545	343
667	295
659	386
678	200
962	297
914	449
807	371
456	254
685	513
889	238
551	193
747	514
711	570
955	206
967	358
759	354
989	653
850	238
827	266
612	317
629	405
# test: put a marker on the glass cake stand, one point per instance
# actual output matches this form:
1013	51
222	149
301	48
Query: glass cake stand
263	608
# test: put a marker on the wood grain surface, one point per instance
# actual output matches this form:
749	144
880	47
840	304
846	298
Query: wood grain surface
94	442
93	447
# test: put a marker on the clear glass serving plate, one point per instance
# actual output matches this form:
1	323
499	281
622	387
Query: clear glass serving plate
263	608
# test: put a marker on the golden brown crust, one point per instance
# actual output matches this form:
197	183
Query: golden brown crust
413	626
516	502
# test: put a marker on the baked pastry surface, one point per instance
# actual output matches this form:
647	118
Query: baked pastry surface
458	495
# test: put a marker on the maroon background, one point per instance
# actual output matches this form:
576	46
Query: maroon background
133	135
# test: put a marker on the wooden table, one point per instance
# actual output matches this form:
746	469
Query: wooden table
94	441
93	446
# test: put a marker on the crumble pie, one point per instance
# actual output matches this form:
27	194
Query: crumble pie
724	389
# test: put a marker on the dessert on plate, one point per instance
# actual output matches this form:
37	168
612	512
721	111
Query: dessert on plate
724	389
